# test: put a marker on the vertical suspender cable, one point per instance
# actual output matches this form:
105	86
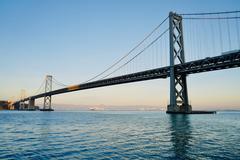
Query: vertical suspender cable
165	51
196	40
237	27
220	34
229	35
200	41
190	41
213	37
205	39
157	54
153	57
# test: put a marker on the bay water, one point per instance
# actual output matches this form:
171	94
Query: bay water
118	135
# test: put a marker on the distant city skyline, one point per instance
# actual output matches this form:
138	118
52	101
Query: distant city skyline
75	40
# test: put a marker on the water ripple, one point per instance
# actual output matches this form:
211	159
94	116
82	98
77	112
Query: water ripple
118	135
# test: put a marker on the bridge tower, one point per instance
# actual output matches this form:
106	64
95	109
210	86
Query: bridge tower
47	98
178	83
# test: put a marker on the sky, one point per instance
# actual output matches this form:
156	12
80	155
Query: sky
73	40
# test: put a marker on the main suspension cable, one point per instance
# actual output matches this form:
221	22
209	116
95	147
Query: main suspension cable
211	18
58	83
209	13
39	89
150	44
134	48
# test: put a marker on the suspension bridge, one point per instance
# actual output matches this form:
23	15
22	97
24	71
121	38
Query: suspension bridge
181	45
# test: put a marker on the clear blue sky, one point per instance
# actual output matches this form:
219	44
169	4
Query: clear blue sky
75	39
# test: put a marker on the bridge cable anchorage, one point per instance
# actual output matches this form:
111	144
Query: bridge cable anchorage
136	54
131	51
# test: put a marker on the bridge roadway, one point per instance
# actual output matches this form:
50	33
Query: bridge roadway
226	61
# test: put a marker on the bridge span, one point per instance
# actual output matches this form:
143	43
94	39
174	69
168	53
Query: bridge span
204	65
177	70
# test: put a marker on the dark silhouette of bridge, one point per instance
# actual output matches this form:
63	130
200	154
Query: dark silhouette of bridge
177	69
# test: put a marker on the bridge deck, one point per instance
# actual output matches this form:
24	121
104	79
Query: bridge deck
203	65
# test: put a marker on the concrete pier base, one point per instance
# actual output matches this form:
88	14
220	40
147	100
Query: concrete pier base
179	109
172	109
49	109
193	112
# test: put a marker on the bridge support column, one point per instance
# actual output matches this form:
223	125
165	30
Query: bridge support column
21	105
31	104
178	83
47	106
